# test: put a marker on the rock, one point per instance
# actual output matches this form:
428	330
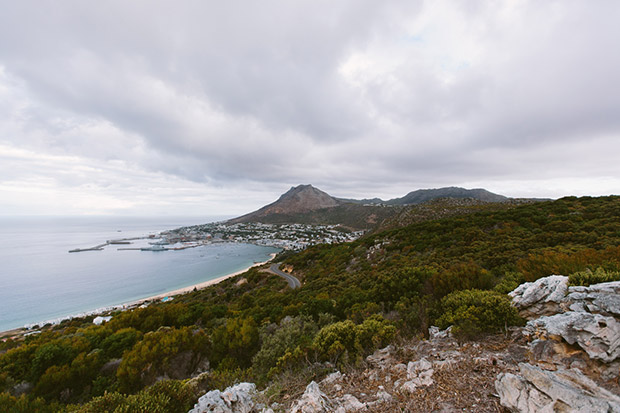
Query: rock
383	396
434	333
537	390
313	401
601	298
420	372
350	403
597	335
399	368
22	388
235	399
381	357
332	378
541	297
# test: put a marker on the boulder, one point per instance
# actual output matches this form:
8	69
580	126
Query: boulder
537	390
419	374
601	298
350	403
313	401
235	399
434	333
541	297
597	335
382	357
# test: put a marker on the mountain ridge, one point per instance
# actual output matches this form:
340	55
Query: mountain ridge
308	204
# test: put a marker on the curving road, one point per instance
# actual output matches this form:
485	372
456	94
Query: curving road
293	282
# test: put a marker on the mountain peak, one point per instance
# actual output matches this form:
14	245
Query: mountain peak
298	199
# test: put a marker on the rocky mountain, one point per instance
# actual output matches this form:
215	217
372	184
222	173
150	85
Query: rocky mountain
297	200
306	204
424	195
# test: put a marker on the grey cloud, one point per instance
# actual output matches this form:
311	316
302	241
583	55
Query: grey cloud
222	93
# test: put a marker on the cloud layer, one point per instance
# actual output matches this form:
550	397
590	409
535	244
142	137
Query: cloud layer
207	107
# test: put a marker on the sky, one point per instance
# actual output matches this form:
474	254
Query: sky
198	108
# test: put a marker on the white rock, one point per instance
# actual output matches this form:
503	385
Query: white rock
235	399
597	335
313	401
350	403
332	378
537	390
434	333
541	297
420	372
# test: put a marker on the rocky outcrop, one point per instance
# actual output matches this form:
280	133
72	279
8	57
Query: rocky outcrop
313	401
541	297
572	330
597	335
419	373
601	298
235	399
537	390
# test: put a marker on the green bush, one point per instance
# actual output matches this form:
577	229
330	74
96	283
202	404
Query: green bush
471	312
344	341
166	396
587	277
276	341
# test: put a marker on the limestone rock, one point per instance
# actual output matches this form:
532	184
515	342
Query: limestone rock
597	335
541	297
332	378
350	403
235	399
313	401
381	357
419	374
537	390
601	298
434	333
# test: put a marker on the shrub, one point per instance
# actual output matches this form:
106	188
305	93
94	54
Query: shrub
344	341
588	277
471	312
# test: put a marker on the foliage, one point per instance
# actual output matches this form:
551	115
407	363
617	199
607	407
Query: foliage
471	312
453	270
154	355
588	277
164	396
345	341
293	335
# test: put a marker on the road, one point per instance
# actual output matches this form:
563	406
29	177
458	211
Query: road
293	282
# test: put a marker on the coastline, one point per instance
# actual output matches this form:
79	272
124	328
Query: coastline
19	332
198	286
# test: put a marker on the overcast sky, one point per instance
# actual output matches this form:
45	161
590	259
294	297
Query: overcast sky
217	107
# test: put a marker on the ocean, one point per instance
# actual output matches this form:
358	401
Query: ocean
41	281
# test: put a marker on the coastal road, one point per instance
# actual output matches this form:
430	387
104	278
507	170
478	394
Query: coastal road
293	282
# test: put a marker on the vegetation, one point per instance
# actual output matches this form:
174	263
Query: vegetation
356	297
588	277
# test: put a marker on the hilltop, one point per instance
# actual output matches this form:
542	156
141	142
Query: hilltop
305	204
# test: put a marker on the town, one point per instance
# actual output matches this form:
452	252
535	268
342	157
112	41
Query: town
285	236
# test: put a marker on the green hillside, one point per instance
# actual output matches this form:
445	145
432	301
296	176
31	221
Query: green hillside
355	297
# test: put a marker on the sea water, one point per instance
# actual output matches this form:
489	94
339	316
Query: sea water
41	281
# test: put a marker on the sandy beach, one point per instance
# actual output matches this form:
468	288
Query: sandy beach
19	332
198	286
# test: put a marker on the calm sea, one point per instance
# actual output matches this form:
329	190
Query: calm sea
41	281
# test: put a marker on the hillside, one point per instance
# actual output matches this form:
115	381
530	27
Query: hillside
385	288
297	200
424	195
305	204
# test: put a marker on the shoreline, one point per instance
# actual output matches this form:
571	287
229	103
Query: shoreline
19	332
199	286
